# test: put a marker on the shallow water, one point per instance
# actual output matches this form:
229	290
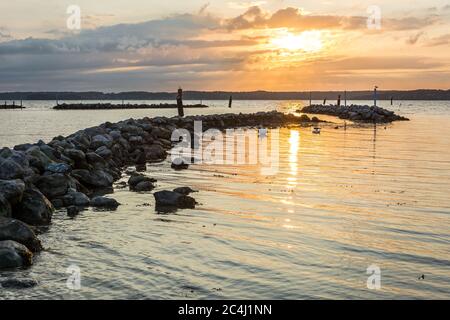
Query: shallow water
339	202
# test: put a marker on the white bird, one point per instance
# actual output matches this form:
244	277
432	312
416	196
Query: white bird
316	130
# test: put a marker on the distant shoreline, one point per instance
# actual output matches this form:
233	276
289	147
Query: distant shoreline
420	94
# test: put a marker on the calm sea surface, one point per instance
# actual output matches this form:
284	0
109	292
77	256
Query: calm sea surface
339	202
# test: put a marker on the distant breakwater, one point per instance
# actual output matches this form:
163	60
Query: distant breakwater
74	172
363	113
10	107
110	106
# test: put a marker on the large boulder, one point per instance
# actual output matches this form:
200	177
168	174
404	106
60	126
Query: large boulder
39	158
12	229
53	185
95	178
10	169
5	207
34	209
14	255
167	198
12	190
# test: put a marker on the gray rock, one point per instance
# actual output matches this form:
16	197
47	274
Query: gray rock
12	190
12	229
58	168
101	140
5	207
14	255
103	202
95	178
40	157
34	209
53	185
155	152
76	199
104	152
173	199
10	169
76	155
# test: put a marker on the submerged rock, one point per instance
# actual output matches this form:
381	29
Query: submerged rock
167	198
14	255
184	190
72	211
139	182
103	202
12	229
18	283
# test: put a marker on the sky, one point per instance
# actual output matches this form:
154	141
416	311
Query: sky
275	45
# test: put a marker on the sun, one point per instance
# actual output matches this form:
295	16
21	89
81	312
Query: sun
307	41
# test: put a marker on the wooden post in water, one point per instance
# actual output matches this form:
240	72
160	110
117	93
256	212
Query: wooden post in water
310	94
339	101
345	98
375	96
180	103
230	102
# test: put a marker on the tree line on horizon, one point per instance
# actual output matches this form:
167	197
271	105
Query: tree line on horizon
421	94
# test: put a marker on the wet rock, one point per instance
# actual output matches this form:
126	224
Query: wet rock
74	198
167	198
53	185
101	140
96	178
58	168
12	190
72	211
38	157
14	255
76	155
184	190
18	283
139	182
144	186
34	209
304	118
10	169
104	152
155	152
103	202
12	229
93	158
178	164
5	207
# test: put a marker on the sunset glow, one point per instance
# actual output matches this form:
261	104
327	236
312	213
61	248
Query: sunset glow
308	41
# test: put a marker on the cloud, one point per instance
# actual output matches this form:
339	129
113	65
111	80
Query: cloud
294	18
4	34
245	4
440	41
414	38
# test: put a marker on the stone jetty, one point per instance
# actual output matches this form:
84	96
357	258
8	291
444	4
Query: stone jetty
110	106
10	107
363	113
74	171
